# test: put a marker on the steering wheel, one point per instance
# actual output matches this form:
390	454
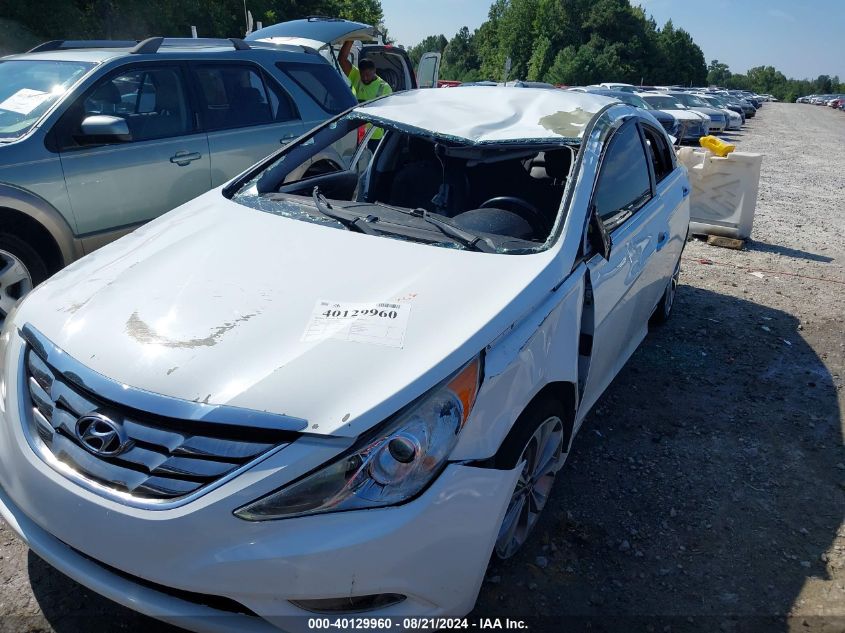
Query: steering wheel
522	208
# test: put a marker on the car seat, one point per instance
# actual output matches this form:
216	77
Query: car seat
428	182
170	117
248	107
104	100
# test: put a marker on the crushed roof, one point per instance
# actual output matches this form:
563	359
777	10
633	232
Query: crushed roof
480	114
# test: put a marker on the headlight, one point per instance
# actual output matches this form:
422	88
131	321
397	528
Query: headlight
387	467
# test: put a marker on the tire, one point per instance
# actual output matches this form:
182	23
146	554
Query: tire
664	308
21	269
536	442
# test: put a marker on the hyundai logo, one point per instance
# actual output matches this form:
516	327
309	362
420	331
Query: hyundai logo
101	436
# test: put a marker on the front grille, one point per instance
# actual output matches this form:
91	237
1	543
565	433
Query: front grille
161	459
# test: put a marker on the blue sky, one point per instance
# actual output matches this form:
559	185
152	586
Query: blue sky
802	39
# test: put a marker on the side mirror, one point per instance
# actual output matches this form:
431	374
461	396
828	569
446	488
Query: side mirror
102	128
599	238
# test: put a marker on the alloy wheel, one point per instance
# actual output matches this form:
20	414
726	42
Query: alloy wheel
671	289
541	459
15	282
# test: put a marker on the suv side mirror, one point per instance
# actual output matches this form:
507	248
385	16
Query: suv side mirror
102	128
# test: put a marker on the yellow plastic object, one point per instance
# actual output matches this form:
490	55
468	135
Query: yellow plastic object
716	145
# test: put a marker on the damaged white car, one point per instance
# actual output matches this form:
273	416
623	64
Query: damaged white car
341	382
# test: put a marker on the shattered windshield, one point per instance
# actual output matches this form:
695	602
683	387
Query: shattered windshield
413	185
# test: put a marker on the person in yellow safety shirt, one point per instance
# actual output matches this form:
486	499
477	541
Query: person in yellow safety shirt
366	84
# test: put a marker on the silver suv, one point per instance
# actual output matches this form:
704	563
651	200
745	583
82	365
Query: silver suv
97	138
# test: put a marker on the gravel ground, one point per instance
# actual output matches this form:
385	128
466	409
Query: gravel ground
706	491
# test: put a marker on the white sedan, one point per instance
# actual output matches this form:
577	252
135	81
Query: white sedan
342	381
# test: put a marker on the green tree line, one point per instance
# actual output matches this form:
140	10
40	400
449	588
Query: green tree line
572	42
137	19
769	80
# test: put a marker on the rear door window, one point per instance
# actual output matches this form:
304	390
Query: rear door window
659	153
237	95
623	185
322	83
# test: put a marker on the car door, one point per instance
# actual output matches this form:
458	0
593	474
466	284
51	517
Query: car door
428	70
624	208
669	214
117	184
247	115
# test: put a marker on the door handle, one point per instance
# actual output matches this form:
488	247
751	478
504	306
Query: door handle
661	240
185	158
686	191
287	139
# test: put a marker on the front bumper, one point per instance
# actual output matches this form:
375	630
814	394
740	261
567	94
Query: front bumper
434	549
717	126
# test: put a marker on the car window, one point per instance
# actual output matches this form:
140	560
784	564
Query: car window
623	184
322	83
659	153
238	96
341	155
152	100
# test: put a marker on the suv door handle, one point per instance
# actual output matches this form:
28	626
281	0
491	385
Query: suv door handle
287	139
661	240
184	158
686	191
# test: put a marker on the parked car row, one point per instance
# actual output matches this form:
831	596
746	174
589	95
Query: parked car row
836	101
296	394
692	113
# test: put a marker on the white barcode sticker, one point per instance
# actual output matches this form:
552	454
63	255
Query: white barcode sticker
376	323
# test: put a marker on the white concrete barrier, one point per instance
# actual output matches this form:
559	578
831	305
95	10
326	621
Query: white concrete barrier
724	191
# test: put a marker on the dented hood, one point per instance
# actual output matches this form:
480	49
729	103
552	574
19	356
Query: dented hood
211	303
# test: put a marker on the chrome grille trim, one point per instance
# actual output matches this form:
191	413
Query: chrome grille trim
167	462
150	402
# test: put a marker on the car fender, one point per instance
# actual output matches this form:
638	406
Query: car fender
539	349
32	205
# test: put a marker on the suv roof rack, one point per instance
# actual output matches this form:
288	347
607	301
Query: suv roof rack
55	45
149	45
153	44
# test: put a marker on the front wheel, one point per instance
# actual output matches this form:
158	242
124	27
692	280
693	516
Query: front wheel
21	269
541	456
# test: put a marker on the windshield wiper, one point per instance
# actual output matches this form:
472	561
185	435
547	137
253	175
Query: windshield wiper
466	238
353	224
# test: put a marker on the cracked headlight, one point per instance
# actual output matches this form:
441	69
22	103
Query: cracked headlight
389	466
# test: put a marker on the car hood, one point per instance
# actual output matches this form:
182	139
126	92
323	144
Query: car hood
711	112
314	32
211	302
684	115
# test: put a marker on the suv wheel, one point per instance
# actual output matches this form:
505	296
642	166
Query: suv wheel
21	269
540	442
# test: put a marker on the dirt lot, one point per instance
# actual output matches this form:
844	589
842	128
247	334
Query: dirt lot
706	491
